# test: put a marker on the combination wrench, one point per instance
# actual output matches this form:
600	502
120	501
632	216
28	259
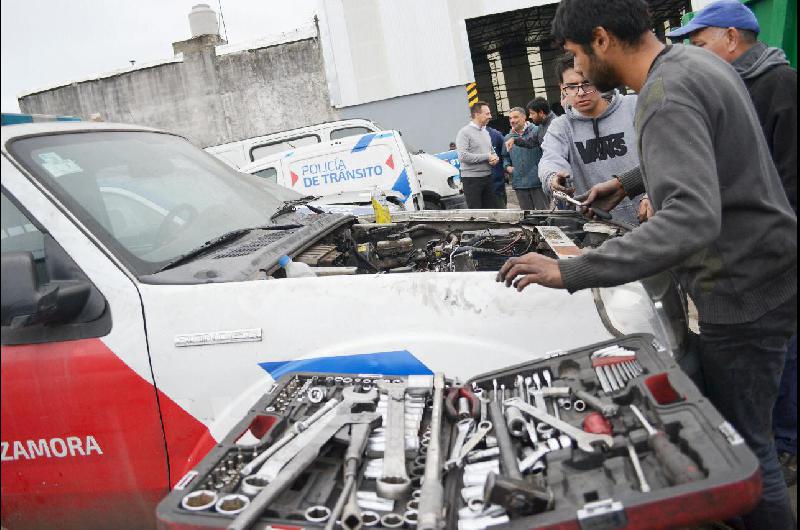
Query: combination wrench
464	427
583	440
394	482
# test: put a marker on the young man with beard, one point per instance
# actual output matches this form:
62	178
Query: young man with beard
722	221
593	139
728	29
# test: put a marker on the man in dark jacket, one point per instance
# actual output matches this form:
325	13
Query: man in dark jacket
498	173
729	29
542	116
522	165
722	221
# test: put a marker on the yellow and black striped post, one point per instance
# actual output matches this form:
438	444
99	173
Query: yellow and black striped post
472	93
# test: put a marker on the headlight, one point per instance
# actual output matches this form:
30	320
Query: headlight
653	306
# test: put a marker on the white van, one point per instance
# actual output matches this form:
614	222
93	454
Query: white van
144	310
441	184
352	166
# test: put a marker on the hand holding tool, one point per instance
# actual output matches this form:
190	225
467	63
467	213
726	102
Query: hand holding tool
679	468
601	214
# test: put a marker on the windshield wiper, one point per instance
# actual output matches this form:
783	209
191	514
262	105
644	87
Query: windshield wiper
221	240
292	204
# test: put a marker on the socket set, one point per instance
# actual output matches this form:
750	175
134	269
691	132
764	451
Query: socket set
613	435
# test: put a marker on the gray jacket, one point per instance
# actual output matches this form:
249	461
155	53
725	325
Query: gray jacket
722	222
592	150
474	146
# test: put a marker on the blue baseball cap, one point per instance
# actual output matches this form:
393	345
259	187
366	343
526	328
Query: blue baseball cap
720	14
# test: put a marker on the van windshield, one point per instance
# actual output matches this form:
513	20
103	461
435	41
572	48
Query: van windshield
151	197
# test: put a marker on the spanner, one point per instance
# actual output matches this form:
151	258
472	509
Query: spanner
394	482
300	461
274	464
464	427
584	440
480	433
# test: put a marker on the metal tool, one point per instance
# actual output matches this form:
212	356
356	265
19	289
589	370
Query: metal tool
542	449
394	481
678	467
601	214
432	494
455	405
480	433
514	418
510	489
351	513
583	440
293	431
302	459
637	466
464	427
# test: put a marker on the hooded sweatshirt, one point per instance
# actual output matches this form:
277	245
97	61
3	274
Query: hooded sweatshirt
772	85
592	150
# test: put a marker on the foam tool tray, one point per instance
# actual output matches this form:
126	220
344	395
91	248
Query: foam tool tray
613	435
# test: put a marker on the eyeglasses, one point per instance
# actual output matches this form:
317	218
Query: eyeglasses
572	90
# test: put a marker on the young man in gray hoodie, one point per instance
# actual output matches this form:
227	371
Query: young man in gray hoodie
722	222
593	139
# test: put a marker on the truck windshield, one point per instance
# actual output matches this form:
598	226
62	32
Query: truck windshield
149	196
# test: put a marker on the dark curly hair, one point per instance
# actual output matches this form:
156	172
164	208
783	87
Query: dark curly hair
575	20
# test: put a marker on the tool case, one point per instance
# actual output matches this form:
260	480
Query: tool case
612	435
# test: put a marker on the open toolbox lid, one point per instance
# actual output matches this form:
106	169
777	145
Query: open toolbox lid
588	489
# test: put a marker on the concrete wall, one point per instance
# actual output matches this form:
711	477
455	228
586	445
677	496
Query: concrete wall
428	121
209	98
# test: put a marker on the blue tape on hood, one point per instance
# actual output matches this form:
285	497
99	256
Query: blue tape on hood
385	363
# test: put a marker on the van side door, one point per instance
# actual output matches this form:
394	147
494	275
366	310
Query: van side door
82	441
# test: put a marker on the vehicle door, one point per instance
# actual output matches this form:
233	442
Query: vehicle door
82	441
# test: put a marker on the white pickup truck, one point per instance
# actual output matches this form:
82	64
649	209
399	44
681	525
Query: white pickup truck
144	310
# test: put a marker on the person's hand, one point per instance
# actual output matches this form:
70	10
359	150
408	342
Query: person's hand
606	196
645	210
531	268
493	159
559	183
509	144
510	170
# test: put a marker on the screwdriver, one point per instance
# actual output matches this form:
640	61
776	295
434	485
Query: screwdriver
679	468
601	214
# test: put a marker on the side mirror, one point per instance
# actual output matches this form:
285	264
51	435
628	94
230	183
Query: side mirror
26	303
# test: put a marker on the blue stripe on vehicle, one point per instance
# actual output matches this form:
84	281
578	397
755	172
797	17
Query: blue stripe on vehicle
287	155
363	142
384	135
386	363
402	185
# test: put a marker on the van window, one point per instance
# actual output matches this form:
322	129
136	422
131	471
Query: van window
348	131
18	232
269	173
265	150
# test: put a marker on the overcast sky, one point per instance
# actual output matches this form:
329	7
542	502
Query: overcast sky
47	42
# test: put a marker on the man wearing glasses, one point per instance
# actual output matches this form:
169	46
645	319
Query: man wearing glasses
594	138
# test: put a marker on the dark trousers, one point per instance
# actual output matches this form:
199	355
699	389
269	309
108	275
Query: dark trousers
784	417
532	199
742	366
479	192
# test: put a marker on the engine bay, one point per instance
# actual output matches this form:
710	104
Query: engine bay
431	245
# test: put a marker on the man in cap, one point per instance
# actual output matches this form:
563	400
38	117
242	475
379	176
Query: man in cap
729	29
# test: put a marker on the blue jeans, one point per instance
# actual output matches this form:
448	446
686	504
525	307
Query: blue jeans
784	417
742	366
